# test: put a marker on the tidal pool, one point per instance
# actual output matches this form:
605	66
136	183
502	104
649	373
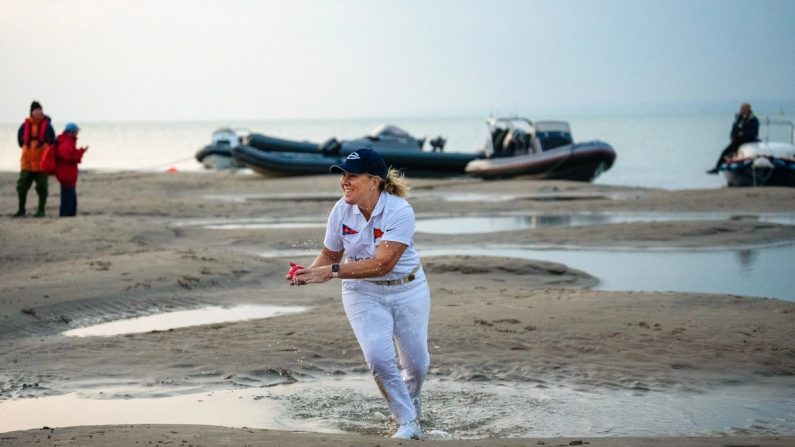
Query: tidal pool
331	196
756	271
471	224
496	223
253	223
451	409
183	318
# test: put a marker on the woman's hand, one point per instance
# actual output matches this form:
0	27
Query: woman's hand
319	271
314	275
293	268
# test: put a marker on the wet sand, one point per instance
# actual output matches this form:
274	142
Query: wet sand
493	319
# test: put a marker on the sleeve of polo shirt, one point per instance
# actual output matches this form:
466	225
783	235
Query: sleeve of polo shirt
333	239
400	226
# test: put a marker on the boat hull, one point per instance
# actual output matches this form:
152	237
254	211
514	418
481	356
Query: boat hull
761	164
744	174
281	164
267	143
579	162
412	163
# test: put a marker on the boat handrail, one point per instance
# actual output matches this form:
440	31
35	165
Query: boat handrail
769	122
493	120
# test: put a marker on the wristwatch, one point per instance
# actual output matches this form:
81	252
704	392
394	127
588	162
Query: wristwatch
335	270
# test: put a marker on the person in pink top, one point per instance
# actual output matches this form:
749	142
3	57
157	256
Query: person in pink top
67	157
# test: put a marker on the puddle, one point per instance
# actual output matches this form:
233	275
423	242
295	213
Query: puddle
274	197
561	196
264	225
451	410
494	223
491	224
449	197
253	223
184	318
758	271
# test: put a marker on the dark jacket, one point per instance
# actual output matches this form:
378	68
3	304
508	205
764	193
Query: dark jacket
67	157
746	129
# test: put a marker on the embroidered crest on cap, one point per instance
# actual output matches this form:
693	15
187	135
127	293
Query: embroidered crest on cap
353	156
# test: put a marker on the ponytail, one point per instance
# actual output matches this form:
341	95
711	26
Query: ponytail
395	183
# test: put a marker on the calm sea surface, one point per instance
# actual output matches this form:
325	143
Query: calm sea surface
659	151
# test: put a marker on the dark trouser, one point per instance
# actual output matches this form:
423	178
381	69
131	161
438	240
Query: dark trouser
26	179
68	201
730	150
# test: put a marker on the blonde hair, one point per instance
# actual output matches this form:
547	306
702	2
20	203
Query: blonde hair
395	183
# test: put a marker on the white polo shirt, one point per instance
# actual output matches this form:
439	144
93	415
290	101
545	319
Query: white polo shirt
392	220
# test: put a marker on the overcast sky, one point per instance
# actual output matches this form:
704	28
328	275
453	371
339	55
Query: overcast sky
248	59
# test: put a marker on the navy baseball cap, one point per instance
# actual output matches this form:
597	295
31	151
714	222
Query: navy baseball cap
363	161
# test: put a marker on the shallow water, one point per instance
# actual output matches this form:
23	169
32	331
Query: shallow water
435	195
764	271
491	224
183	318
451	410
495	223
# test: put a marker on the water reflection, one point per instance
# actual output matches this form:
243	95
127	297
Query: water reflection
184	318
746	259
491	224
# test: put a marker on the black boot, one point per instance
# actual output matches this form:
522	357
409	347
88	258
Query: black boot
23	198
42	203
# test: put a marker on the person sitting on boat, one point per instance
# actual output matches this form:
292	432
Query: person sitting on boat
744	130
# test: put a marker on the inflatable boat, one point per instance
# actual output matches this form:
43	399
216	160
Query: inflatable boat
412	162
763	163
280	157
383	138
518	147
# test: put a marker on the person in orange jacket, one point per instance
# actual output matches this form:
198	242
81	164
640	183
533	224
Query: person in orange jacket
34	135
67	157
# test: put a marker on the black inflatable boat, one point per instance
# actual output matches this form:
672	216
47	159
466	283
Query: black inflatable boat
275	156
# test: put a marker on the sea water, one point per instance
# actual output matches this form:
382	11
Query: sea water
656	151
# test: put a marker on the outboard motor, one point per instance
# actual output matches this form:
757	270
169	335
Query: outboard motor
331	147
437	144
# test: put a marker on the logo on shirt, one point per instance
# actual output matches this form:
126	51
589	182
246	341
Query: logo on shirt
377	233
348	230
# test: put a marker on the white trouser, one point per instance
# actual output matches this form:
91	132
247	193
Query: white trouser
387	317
